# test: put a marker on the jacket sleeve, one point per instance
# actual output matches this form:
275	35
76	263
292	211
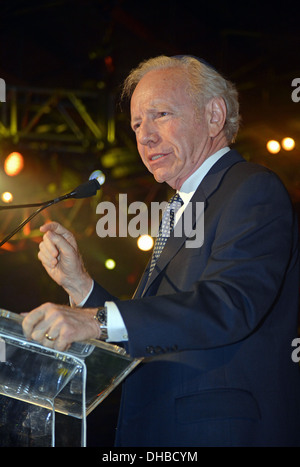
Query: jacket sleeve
98	296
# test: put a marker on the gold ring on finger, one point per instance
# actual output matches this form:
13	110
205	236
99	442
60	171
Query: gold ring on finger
49	337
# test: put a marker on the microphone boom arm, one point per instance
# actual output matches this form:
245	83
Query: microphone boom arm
85	190
44	206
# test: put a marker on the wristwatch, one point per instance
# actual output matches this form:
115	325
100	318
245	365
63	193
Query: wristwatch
101	317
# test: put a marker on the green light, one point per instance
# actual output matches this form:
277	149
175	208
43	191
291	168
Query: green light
110	264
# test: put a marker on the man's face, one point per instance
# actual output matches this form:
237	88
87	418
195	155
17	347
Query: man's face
171	139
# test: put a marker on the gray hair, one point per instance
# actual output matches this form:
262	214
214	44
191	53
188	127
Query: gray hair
205	83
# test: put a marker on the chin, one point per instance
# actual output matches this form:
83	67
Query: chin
160	178
165	180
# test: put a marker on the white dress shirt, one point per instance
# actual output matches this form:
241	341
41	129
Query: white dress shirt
115	325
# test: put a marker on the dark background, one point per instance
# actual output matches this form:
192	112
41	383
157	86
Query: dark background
49	49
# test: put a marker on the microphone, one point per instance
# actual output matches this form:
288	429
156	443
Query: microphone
85	190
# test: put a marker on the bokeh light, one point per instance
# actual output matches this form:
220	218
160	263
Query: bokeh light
13	164
110	264
273	146
145	242
288	144
7	197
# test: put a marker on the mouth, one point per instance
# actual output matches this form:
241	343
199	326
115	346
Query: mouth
155	157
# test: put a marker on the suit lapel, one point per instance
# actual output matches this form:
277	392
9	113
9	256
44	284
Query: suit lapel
208	185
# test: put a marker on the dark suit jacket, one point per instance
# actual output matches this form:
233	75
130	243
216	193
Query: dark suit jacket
215	324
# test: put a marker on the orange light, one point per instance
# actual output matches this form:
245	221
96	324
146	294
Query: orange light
145	242
109	64
273	146
13	164
288	144
7	197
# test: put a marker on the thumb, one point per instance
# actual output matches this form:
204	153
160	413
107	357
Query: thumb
53	226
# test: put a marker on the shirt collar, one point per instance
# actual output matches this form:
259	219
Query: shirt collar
191	184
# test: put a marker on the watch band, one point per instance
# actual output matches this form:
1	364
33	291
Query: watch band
101	317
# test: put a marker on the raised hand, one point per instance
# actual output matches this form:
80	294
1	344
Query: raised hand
61	258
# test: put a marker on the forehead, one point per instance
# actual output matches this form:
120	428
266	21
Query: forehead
160	86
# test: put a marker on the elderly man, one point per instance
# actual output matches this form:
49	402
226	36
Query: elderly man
215	323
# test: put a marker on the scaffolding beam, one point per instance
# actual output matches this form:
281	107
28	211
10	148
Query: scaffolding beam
60	119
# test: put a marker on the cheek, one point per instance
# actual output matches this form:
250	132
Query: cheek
141	150
142	153
183	150
181	137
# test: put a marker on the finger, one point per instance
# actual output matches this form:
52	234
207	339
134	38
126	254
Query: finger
50	338
52	247
42	324
61	346
40	332
49	242
48	250
32	319
46	329
54	337
53	226
55	342
58	229
47	261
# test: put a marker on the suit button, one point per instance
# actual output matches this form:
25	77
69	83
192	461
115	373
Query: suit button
150	349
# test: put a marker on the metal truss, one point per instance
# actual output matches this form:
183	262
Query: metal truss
57	120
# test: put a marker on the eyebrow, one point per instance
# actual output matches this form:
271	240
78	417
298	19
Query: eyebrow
152	110
155	105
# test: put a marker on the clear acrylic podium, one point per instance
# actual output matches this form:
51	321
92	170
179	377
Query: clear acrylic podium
38	384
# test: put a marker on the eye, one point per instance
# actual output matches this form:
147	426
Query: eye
136	126
163	114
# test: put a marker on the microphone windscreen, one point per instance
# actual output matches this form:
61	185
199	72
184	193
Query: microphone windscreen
87	189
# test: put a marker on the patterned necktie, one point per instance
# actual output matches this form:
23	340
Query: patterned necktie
166	227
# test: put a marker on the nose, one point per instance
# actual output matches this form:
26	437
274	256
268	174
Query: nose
147	133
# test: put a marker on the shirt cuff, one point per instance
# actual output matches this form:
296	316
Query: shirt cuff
116	328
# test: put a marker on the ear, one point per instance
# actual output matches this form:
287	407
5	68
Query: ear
216	115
